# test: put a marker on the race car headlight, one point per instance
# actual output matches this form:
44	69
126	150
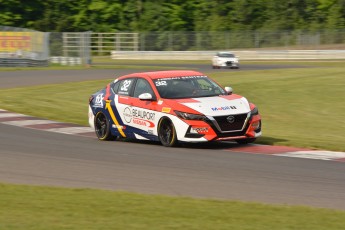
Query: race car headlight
190	116
255	111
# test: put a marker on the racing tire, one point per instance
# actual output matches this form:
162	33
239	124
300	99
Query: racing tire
102	127
245	141
167	133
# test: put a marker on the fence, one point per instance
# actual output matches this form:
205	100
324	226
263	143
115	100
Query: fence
101	44
246	39
23	47
70	48
242	54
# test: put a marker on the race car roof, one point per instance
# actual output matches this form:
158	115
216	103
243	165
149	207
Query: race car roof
165	74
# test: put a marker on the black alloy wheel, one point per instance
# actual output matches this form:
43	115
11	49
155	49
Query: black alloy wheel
102	127
167	133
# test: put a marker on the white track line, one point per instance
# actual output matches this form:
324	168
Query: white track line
72	130
5	115
320	155
29	122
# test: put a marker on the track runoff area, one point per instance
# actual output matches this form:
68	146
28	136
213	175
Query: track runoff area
26	121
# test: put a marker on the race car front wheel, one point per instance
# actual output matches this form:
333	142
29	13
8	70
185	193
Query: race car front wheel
102	127
167	132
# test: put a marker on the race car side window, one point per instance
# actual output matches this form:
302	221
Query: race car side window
115	87
125	86
142	86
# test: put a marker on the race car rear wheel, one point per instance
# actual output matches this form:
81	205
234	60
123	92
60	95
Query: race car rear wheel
102	127
245	141
167	132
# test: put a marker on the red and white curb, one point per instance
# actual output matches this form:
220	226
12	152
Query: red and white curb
291	152
22	120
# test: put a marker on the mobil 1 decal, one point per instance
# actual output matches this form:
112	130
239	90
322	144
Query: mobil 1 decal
138	116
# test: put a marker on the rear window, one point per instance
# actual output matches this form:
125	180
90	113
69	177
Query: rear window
225	55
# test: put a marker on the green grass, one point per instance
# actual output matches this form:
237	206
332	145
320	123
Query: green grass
300	107
31	207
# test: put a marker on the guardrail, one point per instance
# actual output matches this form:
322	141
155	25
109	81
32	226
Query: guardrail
242	54
66	60
21	62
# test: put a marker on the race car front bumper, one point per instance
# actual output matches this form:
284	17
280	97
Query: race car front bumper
202	131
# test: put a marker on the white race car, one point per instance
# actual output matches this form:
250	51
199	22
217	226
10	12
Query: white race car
225	60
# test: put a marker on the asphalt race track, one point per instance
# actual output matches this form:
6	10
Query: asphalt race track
29	156
11	79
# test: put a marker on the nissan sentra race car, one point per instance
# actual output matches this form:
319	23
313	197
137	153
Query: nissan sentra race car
225	60
171	107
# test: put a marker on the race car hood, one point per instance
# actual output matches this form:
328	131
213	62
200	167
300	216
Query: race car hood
218	106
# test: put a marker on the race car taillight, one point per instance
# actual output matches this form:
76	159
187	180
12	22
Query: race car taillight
90	99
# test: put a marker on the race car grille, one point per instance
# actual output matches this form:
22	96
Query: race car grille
228	63
231	123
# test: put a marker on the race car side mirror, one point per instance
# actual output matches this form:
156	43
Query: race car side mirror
228	89
145	97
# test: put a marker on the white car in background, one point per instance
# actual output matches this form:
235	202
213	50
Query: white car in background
225	60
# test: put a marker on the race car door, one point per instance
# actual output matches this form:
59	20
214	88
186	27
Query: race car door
139	116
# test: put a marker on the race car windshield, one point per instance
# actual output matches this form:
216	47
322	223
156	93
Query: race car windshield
188	87
225	55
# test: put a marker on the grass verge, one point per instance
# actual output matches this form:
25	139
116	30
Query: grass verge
33	207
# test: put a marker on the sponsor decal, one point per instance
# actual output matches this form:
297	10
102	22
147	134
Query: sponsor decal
200	129
142	122
139	117
125	85
143	114
223	108
119	126
160	102
99	101
166	110
183	77
161	83
127	114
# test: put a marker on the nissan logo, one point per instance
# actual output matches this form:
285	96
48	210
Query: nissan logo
230	119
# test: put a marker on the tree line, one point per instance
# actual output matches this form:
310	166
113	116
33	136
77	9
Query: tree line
172	15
